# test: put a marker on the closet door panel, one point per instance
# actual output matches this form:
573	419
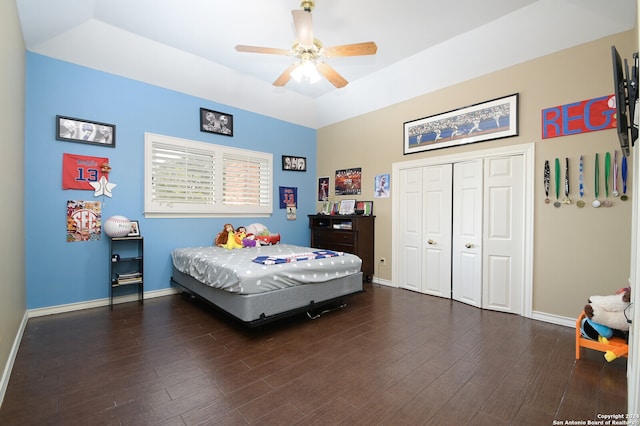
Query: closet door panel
504	234
410	230
437	193
467	232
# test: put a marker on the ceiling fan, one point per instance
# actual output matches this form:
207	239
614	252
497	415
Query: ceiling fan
310	52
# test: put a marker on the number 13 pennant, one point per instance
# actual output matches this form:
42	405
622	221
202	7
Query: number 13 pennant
79	171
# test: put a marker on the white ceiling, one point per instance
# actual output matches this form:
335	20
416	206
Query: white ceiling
423	45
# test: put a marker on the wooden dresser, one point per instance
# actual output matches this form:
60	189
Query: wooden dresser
347	233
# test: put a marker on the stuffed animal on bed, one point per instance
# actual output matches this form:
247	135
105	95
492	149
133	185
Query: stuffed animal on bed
262	235
234	240
238	237
610	311
231	238
250	241
223	236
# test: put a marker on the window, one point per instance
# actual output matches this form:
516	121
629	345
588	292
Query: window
189	178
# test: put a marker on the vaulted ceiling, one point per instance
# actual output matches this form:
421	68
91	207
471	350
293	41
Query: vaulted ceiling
188	45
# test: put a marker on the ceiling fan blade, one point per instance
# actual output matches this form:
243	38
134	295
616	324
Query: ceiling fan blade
285	76
356	49
304	27
332	75
256	49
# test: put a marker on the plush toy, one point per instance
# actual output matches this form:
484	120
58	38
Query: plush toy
610	310
262	234
618	348
257	229
234	239
238	236
223	236
607	316
249	240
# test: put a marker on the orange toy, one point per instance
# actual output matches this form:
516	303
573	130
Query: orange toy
613	348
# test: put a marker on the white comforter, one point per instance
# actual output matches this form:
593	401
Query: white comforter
234	270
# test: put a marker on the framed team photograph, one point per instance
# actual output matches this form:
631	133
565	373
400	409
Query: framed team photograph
78	130
296	164
216	122
494	119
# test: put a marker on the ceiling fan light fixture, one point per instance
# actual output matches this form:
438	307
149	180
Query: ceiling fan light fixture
306	71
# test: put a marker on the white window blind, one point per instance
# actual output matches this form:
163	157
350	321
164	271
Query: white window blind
189	178
246	180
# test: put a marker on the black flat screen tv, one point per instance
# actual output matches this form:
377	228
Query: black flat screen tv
626	92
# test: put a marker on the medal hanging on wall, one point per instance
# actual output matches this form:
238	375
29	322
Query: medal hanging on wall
547	181
615	192
566	199
596	202
557	204
624	179
607	175
580	202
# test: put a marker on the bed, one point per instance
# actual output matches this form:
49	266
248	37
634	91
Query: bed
261	284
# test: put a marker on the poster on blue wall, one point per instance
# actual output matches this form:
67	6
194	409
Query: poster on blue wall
288	197
83	220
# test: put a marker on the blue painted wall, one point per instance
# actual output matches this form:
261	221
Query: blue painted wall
59	272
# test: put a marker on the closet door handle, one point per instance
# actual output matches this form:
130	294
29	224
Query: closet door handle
430	241
468	245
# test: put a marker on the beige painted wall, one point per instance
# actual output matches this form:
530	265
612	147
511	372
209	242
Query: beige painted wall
577	252
12	104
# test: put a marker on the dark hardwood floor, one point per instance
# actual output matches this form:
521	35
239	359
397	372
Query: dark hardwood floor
390	357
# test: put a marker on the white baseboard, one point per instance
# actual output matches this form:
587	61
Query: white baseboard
380	281
39	312
6	374
554	319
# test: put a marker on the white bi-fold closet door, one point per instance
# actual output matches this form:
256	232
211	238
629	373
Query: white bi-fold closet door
460	231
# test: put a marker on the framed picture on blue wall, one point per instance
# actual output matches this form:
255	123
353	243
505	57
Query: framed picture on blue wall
296	164
84	131
216	122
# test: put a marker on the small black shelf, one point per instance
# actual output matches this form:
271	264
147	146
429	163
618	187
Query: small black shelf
126	257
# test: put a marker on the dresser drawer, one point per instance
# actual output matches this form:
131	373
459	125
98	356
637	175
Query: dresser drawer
337	240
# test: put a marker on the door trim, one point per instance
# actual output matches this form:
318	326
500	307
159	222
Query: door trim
528	152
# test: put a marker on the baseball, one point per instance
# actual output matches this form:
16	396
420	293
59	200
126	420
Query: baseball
117	226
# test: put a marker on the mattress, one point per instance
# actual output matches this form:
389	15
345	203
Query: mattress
235	271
